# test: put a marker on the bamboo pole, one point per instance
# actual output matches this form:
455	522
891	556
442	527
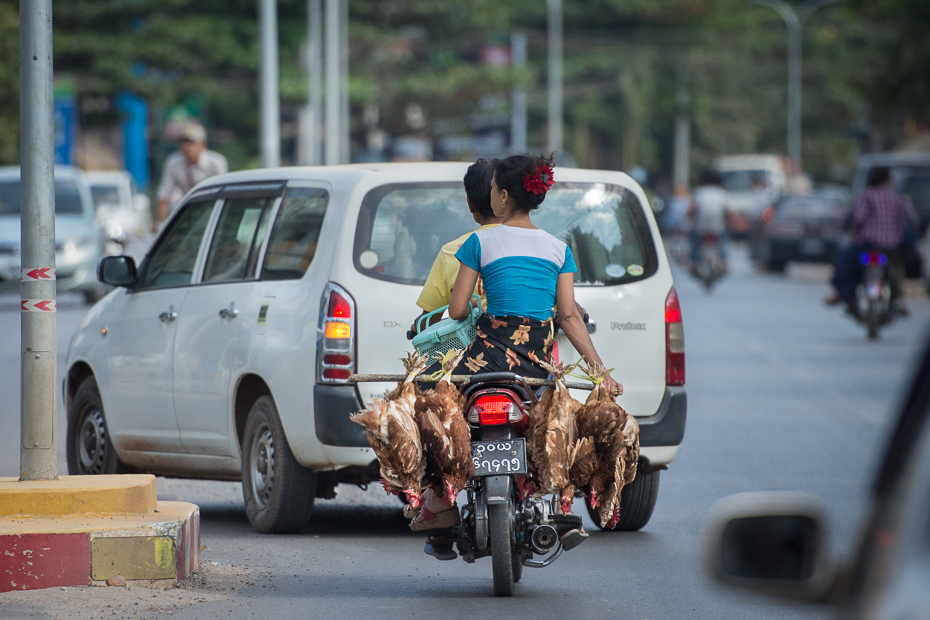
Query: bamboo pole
461	379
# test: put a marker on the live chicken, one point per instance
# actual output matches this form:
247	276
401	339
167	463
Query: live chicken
393	433
445	434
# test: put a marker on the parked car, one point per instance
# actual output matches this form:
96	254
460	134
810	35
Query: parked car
753	182
777	543
78	242
122	212
226	354
805	228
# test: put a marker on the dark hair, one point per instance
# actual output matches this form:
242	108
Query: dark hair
509	173
878	176
478	185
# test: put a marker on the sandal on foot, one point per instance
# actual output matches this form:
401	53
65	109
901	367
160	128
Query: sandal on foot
429	520
573	538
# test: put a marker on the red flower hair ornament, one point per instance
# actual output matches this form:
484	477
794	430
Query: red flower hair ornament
539	181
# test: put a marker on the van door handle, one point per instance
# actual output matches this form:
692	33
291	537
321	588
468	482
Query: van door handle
229	313
167	317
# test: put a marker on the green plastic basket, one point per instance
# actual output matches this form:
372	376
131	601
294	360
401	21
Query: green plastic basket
446	334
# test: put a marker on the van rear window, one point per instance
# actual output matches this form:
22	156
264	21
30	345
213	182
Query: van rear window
401	228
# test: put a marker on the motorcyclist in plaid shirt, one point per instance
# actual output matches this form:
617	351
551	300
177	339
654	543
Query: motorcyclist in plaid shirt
879	219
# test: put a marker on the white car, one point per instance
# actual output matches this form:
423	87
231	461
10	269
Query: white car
78	242
226	354
122	213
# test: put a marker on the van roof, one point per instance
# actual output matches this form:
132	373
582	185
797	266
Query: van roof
396	172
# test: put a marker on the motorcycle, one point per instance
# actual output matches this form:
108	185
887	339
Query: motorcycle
873	295
710	265
499	520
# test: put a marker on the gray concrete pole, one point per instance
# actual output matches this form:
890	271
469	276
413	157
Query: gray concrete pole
38	408
315	73
518	95
556	99
794	21
333	149
344	128
681	168
269	97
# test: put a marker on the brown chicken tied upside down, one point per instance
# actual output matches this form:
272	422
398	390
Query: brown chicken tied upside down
446	437
607	451
553	438
392	430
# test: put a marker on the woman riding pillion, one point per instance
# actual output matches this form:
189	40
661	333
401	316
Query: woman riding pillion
526	271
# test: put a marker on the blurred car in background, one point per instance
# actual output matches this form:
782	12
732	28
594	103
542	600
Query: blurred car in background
753	181
121	211
777	543
78	241
799	228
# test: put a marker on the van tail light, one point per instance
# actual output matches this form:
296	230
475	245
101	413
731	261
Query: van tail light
494	408
674	341
336	343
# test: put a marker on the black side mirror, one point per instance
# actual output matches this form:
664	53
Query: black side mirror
117	271
772	543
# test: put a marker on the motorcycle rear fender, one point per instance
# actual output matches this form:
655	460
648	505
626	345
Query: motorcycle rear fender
497	489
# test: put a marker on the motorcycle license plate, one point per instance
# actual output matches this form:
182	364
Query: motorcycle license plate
494	458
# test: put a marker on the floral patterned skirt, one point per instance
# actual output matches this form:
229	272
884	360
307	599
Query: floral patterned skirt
509	344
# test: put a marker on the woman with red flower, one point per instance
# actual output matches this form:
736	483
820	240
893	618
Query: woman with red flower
526	271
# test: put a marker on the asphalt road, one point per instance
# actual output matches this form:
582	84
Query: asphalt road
784	394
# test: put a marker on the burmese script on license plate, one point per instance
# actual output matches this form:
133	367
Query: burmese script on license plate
499	457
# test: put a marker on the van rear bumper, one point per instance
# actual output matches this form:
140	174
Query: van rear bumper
667	426
333	404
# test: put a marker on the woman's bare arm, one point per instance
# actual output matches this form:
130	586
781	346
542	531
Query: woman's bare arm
572	324
462	291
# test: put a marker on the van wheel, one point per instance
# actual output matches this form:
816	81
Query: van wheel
278	491
637	501
89	447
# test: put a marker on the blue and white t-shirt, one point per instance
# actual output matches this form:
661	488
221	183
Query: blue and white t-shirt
519	268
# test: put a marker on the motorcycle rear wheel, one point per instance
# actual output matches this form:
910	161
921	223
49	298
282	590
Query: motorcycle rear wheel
501	551
873	319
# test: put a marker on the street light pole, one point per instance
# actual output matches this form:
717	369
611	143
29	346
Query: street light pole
269	98
38	409
518	95
556	100
314	81
333	109
794	21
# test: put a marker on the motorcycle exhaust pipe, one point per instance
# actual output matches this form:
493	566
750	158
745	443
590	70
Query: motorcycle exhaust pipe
544	538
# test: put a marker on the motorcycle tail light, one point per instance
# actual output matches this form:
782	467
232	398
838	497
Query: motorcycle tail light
494	410
873	258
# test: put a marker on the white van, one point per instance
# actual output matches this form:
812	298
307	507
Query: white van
226	354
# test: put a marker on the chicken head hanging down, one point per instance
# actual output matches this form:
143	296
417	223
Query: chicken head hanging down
601	421
440	415
554	436
392	431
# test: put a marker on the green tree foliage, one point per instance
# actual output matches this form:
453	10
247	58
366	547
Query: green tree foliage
622	59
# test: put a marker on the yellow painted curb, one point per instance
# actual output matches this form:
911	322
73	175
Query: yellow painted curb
78	495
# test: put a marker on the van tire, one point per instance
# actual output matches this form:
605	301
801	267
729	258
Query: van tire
637	501
278	491
89	449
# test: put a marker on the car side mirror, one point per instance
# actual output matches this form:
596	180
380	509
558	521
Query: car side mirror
772	543
117	270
